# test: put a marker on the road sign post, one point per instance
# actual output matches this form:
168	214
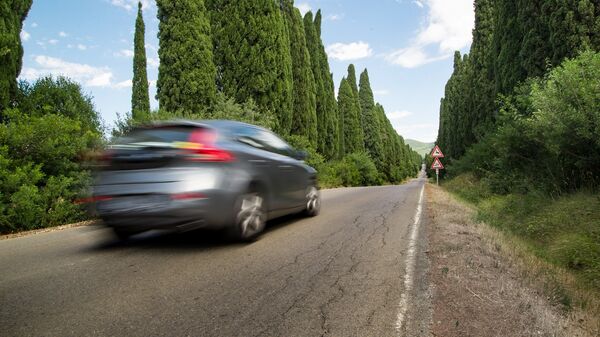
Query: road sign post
437	165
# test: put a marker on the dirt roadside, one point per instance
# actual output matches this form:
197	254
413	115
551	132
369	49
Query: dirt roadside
477	286
48	229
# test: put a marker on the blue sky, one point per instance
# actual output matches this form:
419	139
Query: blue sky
405	44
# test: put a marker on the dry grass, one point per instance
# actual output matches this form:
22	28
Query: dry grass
489	284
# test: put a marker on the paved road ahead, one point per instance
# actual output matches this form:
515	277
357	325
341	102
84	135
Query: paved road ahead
339	274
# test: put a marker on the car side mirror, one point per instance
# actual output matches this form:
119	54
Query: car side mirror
300	155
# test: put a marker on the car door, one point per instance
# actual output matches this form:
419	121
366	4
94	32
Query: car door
291	174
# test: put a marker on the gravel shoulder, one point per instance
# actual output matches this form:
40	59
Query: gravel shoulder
478	285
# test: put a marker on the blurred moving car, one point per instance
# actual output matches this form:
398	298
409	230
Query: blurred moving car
185	175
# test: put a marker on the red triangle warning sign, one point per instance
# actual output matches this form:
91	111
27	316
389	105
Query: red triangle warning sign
437	164
437	152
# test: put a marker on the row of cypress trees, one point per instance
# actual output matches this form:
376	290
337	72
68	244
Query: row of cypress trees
266	52
512	41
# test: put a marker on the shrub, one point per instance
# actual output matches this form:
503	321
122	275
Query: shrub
43	140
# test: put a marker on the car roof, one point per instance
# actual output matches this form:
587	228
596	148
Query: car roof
215	123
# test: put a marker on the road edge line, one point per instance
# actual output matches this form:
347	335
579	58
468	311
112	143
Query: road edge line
411	258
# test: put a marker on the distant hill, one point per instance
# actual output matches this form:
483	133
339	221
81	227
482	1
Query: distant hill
421	148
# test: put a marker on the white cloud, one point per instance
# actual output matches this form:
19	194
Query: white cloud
303	7
25	36
53	41
413	57
396	115
63	34
449	27
124	53
81	47
124	84
88	75
418	3
130	4
351	51
34	25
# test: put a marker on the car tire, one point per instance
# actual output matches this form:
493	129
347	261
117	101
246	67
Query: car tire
250	216
313	201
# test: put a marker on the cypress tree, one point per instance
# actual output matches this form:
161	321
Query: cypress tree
371	127
356	123
482	111
140	100
345	105
572	27
329	105
506	44
535	49
13	13
304	121
312	43
186	75
252	54
352	80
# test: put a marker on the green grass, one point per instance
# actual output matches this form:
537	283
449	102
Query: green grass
564	231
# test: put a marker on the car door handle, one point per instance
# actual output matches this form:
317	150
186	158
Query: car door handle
258	161
285	167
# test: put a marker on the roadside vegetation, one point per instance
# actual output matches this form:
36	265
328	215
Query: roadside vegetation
520	125
50	129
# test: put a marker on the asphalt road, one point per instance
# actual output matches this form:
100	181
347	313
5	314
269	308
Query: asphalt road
342	273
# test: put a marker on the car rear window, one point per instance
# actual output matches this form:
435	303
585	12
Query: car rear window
168	134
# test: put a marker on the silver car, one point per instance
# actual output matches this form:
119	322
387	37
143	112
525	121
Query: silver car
186	175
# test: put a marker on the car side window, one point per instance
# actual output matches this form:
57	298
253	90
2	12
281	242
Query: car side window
249	136
263	140
274	143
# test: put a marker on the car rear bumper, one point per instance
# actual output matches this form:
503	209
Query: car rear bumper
146	212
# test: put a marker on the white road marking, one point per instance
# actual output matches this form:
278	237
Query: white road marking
410	267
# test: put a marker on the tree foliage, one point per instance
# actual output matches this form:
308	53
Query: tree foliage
252	54
547	137
43	140
513	41
304	120
140	100
351	131
312	43
370	120
13	14
186	75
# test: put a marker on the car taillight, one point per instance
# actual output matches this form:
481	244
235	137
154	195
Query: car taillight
201	145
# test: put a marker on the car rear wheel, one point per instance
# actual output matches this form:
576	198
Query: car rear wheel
313	201
250	217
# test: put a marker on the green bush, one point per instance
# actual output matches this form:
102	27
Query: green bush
43	140
548	134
